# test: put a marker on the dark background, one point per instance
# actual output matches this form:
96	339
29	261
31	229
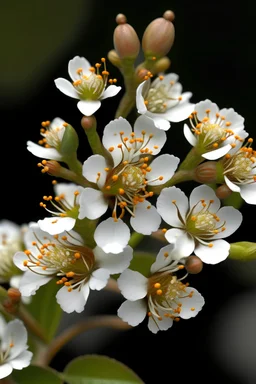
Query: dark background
213	54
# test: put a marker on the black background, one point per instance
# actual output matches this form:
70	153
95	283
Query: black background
213	54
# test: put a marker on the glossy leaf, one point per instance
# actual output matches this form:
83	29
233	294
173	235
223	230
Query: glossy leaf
38	375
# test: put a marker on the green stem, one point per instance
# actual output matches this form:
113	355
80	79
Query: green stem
69	175
192	160
128	100
74	165
135	239
68	334
95	141
178	177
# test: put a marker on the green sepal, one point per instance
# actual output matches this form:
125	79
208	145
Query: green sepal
243	250
69	142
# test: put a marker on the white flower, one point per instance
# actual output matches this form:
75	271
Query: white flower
77	267
11	241
239	170
13	347
66	204
88	84
199	223
214	132
162	296
124	182
163	100
50	145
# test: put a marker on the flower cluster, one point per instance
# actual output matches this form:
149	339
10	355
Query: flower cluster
102	207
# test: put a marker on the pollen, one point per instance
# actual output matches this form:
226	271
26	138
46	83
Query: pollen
157	285
159	292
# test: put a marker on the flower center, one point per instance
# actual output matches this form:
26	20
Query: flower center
52	137
92	84
239	167
5	352
73	264
161	97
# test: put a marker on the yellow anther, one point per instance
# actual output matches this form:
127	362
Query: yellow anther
70	274
207	111
77	255
79	70
25	263
164	230
111	149
192	309
193	218
121	191
210	245
215	145
157	285
159	292
166	254
115	177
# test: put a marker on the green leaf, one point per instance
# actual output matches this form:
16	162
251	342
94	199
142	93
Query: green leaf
95	369
142	262
45	308
38	375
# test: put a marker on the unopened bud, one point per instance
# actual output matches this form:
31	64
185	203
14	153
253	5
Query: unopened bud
193	264
206	173
88	122
243	250
158	38
69	142
126	41
162	65
14	295
223	191
121	18
169	15
114	58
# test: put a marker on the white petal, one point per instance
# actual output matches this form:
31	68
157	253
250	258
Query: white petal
159	121
168	210
99	279
191	305
164	258
189	135
206	105
73	301
76	63
94	169
203	192
232	186
44	153
3	325
141	107
180	112
133	285
146	219
56	225
155	325
154	137
19	259
164	166
66	87
183	241
110	91
114	263
232	219
92	204
5	370
217	153
236	120
68	190
132	312
15	333
22	361
112	236
30	282
112	138
215	254
248	193
88	107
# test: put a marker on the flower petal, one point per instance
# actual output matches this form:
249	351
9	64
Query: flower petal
163	166
163	258
16	334
248	193
189	135
56	225
94	169
205	193
146	219
215	254
22	361
19	259
232	219
110	91
76	63
73	301
5	370
155	138
180	112
183	241
217	153
44	153
66	87
67	190
112	138
167	209
191	305
88	107
155	325
231	185
30	282
133	285
114	263
132	312
112	236
99	279
204	106
236	121
92	204
141	107
159	121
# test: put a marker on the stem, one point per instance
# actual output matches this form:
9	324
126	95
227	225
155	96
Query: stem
192	160
128	100
95	141
107	321
178	177
112	286
135	239
31	323
7	380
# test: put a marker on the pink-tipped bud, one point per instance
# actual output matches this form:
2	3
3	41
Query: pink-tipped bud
169	15
158	38
88	122
14	295
126	41
223	191
193	264
206	173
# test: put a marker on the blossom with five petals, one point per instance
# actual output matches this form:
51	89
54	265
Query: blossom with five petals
88	84
199	222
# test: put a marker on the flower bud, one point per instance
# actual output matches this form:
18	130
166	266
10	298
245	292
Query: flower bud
243	250
206	173
114	58
69	143
14	295
88	122
193	264
223	191
158	38
126	41
162	65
